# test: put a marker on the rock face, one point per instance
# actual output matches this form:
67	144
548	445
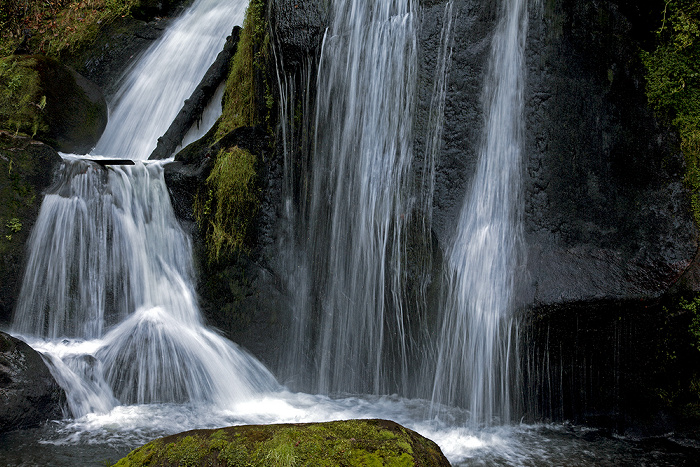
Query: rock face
349	443
240	295
26	170
45	99
119	43
29	394
606	215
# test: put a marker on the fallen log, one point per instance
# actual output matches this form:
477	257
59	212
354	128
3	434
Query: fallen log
194	106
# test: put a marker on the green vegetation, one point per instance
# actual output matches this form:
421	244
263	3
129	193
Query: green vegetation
13	226
54	26
226	208
21	101
677	378
225	214
41	98
348	443
243	99
673	83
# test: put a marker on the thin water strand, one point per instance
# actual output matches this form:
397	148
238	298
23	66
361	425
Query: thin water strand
474	367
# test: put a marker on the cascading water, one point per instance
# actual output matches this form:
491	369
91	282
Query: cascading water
362	155
110	267
152	93
476	348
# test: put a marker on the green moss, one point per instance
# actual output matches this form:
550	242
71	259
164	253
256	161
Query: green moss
677	379
55	27
227	209
22	103
673	83
243	100
41	98
347	443
22	166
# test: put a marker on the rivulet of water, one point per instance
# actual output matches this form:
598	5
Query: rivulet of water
476	356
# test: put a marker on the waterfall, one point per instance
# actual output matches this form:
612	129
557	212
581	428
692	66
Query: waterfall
476	353
358	202
153	91
108	291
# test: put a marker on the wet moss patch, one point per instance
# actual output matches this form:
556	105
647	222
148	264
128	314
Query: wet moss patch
344	443
44	99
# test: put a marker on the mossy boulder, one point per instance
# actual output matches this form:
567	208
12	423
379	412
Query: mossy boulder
343	443
41	97
26	170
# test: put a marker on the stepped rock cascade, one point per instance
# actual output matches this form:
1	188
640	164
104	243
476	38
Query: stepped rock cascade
476	356
149	96
109	280
359	195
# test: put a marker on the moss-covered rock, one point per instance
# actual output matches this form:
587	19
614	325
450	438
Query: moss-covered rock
248	96
344	443
42	98
26	169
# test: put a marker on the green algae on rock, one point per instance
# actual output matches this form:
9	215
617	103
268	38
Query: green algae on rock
342	443
42	98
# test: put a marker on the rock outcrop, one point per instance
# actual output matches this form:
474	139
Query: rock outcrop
26	170
29	395
45	99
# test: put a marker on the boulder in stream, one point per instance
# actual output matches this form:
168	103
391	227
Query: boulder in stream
29	395
351	442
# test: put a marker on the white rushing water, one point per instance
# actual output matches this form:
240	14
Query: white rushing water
357	206
152	93
108	291
476	357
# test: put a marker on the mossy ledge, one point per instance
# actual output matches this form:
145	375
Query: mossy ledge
341	443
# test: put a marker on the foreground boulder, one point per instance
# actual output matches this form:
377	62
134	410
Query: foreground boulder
29	395
41	97
345	443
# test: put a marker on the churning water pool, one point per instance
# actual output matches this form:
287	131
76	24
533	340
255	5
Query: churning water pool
102	439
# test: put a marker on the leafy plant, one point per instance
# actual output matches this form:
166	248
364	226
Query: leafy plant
673	83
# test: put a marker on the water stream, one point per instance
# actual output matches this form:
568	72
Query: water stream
358	197
476	356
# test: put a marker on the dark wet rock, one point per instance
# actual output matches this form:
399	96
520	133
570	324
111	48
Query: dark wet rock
29	395
298	29
606	214
239	294
26	170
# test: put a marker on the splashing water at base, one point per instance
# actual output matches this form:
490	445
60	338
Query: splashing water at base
96	438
